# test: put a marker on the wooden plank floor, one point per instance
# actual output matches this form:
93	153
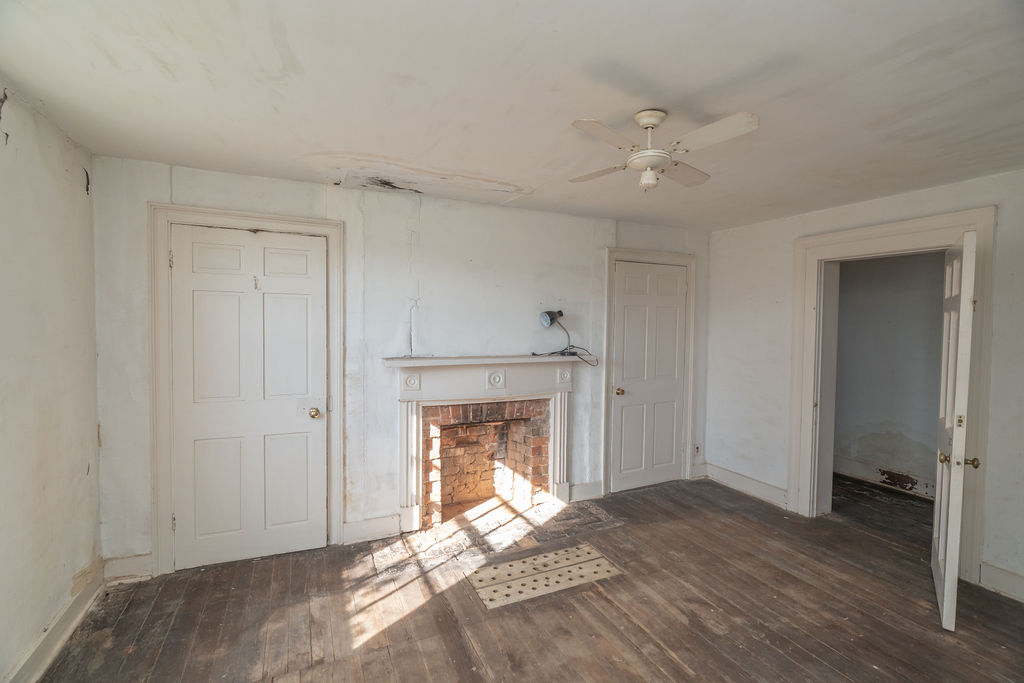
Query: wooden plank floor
715	586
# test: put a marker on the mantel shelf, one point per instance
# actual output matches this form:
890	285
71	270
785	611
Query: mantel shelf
441	361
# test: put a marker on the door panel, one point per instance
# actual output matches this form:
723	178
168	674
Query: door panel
664	432
666	342
286	344
958	318
633	433
219	482
249	361
287	466
634	353
648	347
216	354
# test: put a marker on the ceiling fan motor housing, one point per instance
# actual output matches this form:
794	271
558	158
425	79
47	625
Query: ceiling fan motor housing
649	118
649	158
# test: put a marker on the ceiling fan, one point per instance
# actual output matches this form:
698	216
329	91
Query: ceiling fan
652	162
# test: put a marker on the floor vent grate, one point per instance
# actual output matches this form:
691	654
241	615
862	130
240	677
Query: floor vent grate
531	577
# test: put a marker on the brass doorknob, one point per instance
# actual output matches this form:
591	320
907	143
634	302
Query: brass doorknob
943	457
314	413
973	462
619	391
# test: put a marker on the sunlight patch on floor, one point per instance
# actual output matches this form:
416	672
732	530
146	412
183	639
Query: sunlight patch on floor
411	569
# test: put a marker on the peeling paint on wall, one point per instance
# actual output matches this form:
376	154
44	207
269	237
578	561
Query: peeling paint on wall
897	480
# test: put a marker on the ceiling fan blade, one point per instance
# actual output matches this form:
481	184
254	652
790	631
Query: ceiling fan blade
596	174
605	134
685	175
713	133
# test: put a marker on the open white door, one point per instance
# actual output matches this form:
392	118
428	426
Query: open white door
958	310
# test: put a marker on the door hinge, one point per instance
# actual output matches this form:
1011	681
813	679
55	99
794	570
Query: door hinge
174	522
974	305
99	438
170	258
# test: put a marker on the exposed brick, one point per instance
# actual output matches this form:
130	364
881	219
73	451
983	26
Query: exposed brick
484	449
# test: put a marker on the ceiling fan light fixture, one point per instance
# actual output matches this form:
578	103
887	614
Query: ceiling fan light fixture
648	179
653	161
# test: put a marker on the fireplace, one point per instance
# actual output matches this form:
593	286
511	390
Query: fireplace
475	451
472	423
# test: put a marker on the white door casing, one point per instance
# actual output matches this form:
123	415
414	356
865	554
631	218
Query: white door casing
647	366
809	386
249	363
958	314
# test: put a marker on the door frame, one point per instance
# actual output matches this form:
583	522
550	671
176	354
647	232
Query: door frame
161	218
812	389
661	258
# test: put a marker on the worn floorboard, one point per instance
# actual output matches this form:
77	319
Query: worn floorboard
715	586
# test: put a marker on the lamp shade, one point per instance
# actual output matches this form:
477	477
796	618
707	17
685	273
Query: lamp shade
548	317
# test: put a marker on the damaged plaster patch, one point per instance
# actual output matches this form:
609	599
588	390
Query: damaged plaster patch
358	170
897	480
379	183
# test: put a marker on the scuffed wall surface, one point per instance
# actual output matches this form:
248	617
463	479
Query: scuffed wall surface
887	374
48	457
422	275
750	328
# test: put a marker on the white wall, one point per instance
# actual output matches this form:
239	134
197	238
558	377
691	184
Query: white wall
750	327
422	276
888	370
48	463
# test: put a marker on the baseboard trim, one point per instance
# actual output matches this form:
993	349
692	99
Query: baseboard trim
586	490
744	484
699	470
1002	581
46	649
129	568
371	529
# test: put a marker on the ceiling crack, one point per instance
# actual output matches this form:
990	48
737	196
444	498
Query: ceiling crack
3	99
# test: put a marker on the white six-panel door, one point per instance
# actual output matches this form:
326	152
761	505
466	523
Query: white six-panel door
958	317
249	385
648	352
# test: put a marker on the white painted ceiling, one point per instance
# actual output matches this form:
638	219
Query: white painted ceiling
474	99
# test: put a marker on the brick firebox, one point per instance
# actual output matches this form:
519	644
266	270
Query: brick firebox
473	451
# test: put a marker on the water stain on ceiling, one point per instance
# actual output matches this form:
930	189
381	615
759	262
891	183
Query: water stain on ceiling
360	170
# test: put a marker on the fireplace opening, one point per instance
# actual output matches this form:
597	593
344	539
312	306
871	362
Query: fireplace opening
476	451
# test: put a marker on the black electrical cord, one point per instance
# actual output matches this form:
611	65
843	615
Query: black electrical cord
572	350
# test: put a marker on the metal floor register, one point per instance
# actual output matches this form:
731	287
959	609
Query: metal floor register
530	577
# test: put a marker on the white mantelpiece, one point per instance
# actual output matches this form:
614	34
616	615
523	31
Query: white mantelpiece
431	361
478	379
